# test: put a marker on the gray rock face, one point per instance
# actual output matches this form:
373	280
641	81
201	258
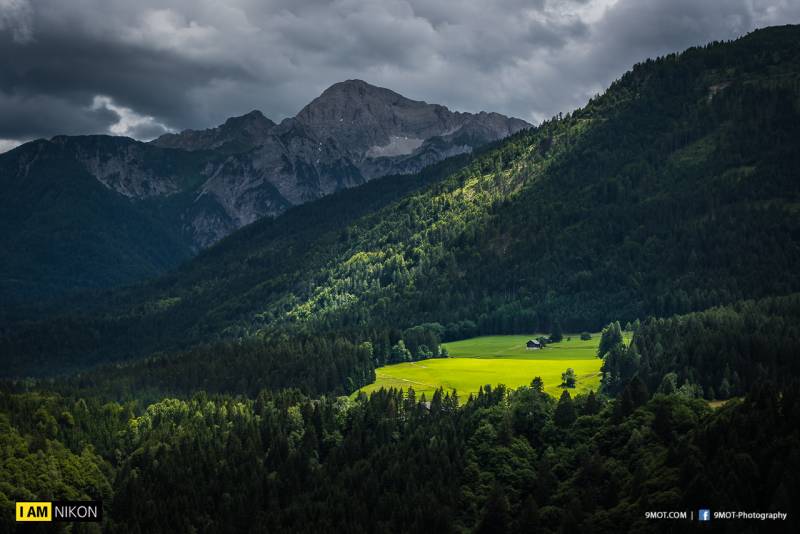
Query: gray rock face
361	116
126	166
290	166
97	211
212	182
238	134
382	132
353	132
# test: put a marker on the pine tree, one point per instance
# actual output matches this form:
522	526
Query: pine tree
528	520
568	378
610	338
592	405
537	384
496	518
564	415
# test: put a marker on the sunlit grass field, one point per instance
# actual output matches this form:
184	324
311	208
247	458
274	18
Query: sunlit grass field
497	360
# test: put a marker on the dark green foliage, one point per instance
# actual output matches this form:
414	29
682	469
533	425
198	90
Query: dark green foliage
314	366
669	384
620	364
423	340
496	518
565	414
722	352
568	378
537	384
391	462
102	238
80	337
289	463
633	395
591	404
52	449
400	353
673	191
728	349
610	339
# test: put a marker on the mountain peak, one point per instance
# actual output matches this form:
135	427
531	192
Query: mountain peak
358	93
372	121
354	82
250	117
352	86
237	134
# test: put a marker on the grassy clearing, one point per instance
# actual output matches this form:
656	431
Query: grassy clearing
496	360
716	404
513	347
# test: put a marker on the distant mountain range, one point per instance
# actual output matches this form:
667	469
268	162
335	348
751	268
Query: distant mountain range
97	211
353	132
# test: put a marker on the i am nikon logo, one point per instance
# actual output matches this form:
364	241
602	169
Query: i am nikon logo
60	511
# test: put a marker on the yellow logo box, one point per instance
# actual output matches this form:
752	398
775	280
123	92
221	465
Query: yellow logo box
71	511
34	511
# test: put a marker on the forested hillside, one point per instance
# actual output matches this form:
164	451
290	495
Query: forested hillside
92	327
676	190
191	443
507	461
61	229
99	211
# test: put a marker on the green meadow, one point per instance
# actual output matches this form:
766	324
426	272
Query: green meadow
496	360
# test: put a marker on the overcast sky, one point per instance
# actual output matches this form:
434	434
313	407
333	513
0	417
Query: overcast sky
140	68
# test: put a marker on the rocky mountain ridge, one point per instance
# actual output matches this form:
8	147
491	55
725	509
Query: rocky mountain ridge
353	132
185	191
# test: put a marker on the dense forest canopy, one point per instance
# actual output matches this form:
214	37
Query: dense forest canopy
507	461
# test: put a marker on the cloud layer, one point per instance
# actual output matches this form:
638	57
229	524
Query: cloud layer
146	67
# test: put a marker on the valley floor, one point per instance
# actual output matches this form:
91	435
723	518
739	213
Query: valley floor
496	360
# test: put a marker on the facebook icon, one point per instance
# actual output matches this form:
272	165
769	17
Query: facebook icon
704	514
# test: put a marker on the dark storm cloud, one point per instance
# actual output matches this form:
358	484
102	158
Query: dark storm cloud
60	68
142	68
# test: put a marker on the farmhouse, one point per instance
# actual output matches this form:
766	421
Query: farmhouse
533	344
